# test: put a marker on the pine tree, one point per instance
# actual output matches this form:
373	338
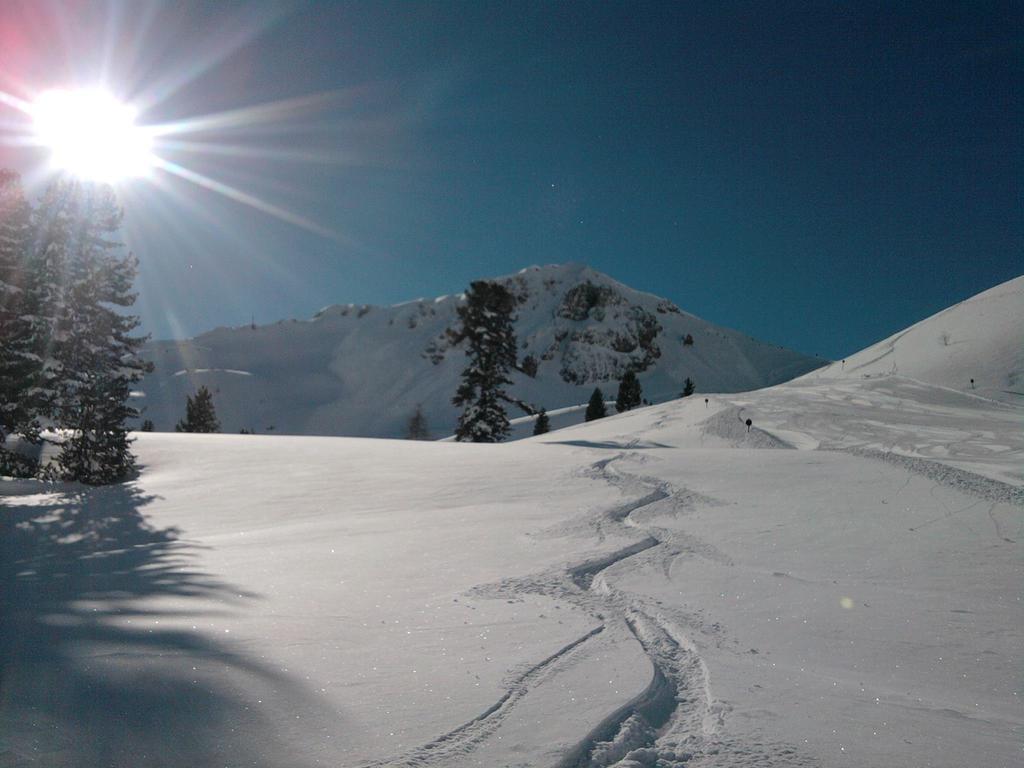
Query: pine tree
688	387
595	408
19	363
54	225
487	318
200	415
529	366
417	428
94	358
630	393
147	426
543	424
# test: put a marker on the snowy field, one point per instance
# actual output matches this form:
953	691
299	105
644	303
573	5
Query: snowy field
841	586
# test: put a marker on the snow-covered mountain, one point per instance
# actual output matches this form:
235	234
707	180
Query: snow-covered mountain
362	370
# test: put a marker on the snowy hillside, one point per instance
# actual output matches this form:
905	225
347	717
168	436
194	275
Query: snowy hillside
838	586
362	370
981	338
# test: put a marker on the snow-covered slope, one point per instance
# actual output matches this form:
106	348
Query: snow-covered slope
362	370
838	586
980	339
657	589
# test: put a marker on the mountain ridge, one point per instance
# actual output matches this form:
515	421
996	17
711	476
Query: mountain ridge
973	346
362	369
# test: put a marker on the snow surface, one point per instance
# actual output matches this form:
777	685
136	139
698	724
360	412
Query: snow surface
839	586
363	370
981	338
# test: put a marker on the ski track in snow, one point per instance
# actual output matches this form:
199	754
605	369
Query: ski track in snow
943	474
462	740
675	720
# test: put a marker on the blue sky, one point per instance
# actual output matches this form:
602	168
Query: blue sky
817	175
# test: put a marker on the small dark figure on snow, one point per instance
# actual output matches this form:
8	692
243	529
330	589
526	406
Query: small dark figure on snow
705	402
972	383
543	423
749	424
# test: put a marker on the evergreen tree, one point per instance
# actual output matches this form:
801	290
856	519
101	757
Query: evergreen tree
595	408
630	392
688	387
529	366
543	424
19	363
147	426
54	225
417	428
486	318
93	358
199	414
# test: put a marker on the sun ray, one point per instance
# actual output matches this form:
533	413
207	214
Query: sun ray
160	222
245	198
10	100
56	130
229	39
166	193
273	112
263	153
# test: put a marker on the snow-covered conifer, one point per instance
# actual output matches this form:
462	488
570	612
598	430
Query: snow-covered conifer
94	359
19	363
417	428
487	318
630	393
47	284
595	408
530	366
200	415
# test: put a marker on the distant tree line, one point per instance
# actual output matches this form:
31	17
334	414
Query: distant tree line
67	354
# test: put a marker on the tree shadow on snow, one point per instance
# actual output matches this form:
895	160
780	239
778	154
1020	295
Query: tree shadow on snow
90	672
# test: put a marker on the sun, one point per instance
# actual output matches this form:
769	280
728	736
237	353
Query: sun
92	135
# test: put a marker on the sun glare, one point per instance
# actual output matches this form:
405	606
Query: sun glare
92	135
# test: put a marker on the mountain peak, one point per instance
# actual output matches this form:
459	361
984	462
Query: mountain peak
363	369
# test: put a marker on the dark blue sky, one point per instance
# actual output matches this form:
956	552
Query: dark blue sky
817	175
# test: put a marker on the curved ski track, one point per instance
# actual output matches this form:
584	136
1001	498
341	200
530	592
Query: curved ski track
462	740
675	717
